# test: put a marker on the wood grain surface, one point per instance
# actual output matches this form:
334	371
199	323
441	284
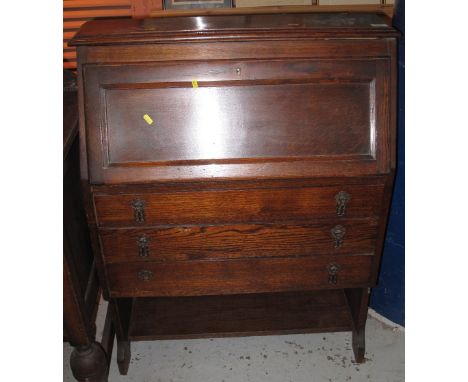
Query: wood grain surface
237	241
250	205
197	278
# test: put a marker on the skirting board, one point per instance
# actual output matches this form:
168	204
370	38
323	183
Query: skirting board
396	327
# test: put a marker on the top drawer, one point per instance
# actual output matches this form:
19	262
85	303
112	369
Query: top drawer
230	206
238	119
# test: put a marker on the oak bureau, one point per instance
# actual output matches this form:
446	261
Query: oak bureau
237	171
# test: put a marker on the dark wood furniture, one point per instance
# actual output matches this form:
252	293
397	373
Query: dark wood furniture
237	171
89	360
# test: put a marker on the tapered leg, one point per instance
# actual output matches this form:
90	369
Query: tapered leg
89	363
123	356
359	344
358	299
122	309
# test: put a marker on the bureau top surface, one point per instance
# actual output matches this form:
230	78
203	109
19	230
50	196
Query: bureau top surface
232	27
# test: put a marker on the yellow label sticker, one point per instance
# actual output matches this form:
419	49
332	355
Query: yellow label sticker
148	119
194	84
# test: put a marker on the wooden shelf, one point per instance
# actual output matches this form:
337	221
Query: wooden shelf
239	315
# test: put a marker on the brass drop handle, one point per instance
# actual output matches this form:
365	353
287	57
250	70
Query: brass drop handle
143	246
138	206
342	199
337	233
145	275
333	270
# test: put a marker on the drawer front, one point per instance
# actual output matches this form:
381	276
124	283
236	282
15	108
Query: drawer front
238	241
151	119
192	278
253	205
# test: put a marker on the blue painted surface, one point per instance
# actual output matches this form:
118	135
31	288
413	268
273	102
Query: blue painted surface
388	298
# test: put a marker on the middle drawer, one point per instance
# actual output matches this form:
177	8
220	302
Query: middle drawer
181	243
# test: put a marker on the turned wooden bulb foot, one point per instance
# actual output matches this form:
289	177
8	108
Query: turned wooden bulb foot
89	363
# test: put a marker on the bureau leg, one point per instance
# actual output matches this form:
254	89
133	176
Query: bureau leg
122	309
89	363
123	356
359	344
358	299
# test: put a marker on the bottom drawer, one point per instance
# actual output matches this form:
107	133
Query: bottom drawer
195	278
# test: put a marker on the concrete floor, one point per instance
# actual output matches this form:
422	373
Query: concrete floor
290	358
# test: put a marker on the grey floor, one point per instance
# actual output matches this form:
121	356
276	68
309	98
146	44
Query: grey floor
290	358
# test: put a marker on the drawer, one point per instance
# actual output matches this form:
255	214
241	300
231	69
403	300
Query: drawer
246	206
176	120
183	243
192	278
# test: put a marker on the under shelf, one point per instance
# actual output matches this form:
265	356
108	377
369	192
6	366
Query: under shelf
239	315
